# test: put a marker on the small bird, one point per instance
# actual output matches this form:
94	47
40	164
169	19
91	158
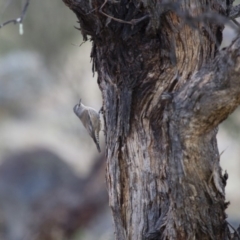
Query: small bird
90	120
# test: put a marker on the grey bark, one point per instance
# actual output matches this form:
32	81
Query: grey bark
166	86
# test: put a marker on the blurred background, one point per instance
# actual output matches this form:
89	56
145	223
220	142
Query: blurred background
52	183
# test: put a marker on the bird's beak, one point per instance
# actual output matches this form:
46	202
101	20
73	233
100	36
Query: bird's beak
75	108
79	102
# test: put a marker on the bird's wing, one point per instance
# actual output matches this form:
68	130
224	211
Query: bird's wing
85	119
87	123
94	115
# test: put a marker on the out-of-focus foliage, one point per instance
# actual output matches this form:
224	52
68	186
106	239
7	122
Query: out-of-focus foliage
43	73
42	199
48	28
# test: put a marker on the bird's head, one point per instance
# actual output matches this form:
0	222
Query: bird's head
77	108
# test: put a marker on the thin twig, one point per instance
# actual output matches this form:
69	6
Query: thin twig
131	22
20	19
234	12
90	12
235	231
79	44
236	22
223	152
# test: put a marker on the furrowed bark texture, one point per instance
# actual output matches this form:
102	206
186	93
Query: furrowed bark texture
166	86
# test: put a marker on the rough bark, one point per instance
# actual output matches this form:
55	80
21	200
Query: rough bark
166	86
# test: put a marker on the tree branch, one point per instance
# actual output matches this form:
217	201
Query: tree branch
211	94
132	22
235	12
19	19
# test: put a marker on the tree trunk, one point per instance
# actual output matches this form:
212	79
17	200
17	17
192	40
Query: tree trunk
165	86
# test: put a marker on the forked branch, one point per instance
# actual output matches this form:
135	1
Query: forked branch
212	93
19	19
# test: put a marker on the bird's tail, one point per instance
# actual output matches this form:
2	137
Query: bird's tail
98	147
96	140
